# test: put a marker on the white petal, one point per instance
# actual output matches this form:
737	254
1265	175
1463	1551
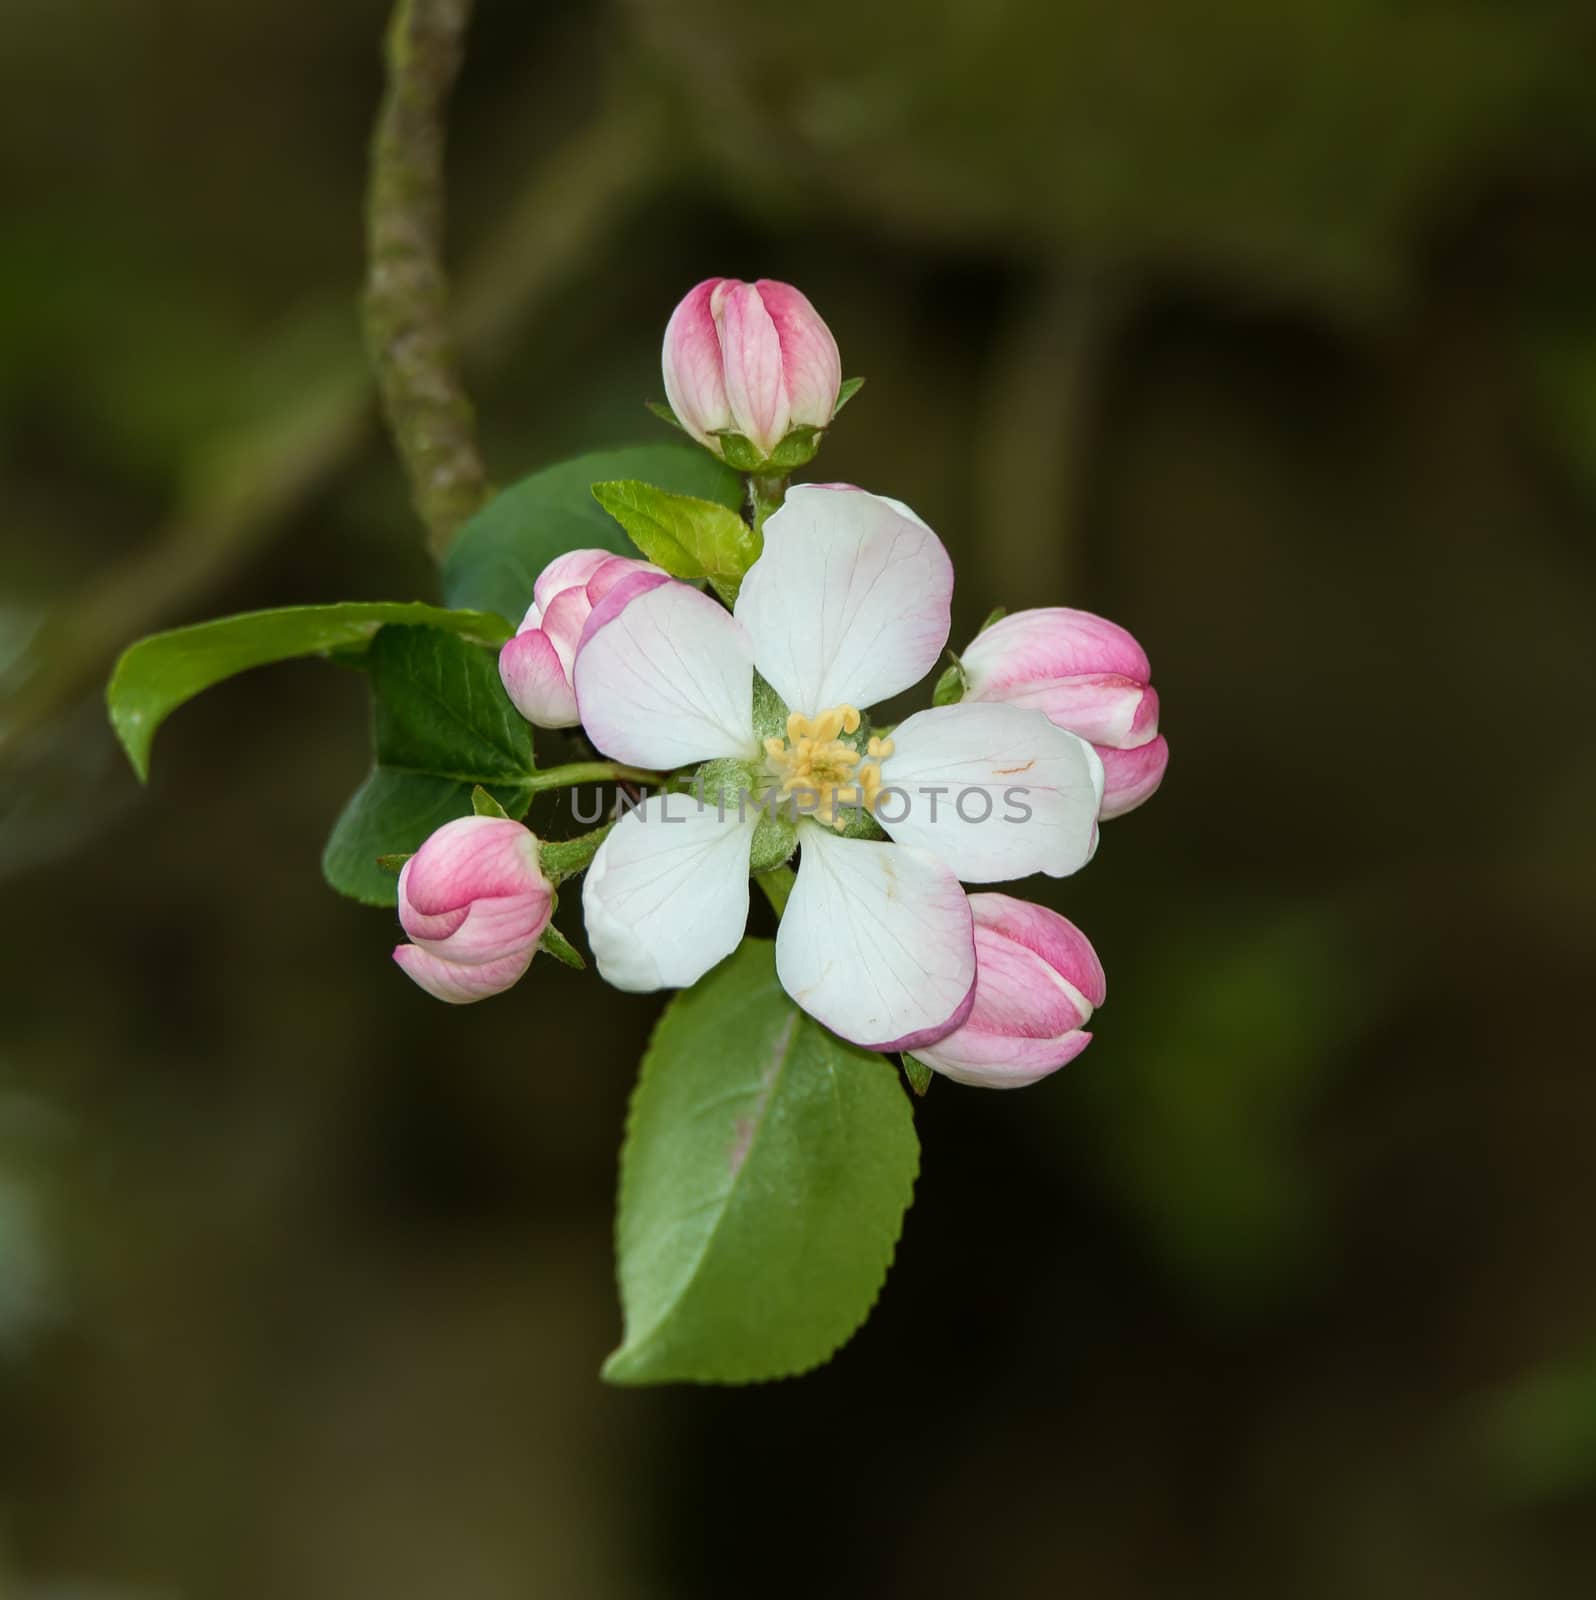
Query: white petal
995	791
667	680
848	603
667	894
876	942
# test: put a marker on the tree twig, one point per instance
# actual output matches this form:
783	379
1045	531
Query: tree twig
407	296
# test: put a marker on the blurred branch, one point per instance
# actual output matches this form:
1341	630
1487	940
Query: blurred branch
407	293
1036	427
242	486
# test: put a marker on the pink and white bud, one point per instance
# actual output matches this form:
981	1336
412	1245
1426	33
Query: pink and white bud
1085	674
753	358
1037	982
474	902
536	664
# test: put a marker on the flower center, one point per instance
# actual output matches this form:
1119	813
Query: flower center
824	774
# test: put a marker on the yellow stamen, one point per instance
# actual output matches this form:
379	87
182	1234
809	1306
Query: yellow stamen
815	762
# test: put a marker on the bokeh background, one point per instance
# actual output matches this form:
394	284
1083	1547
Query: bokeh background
1267	328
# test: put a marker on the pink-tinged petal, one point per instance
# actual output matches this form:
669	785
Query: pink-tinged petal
460	985
1050	642
534	677
876	942
1144	727
1102	708
751	351
810	364
564	618
475	902
609	573
994	791
667	895
618	597
849	602
667	679
1038	981
569	571
991	1061
1053	938
470	857
1132	776
693	369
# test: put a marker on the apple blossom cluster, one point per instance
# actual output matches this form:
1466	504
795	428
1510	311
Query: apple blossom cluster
757	717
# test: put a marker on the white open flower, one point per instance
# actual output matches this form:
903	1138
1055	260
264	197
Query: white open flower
847	605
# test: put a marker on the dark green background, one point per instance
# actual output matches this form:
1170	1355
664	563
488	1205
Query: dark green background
1266	329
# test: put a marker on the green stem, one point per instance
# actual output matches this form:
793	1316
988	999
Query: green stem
588	772
777	884
766	491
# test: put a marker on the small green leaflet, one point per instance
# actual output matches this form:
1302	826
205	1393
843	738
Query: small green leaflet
688	537
161	673
442	727
917	1072
503	548
765	1175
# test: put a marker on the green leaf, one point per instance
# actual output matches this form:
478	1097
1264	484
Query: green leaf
501	550
917	1072
764	1179
159	674
848	389
688	537
442	727
484	805
950	687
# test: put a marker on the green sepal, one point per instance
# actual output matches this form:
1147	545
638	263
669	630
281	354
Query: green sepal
739	452
564	858
797	449
996	614
848	388
664	413
484	805
917	1072
950	687
860	824
775	839
554	943
770	712
394	862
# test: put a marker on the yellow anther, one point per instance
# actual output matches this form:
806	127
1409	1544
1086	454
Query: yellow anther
814	762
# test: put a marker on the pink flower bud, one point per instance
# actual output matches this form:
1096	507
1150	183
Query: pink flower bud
1037	982
536	664
475	903
1087	675
754	358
